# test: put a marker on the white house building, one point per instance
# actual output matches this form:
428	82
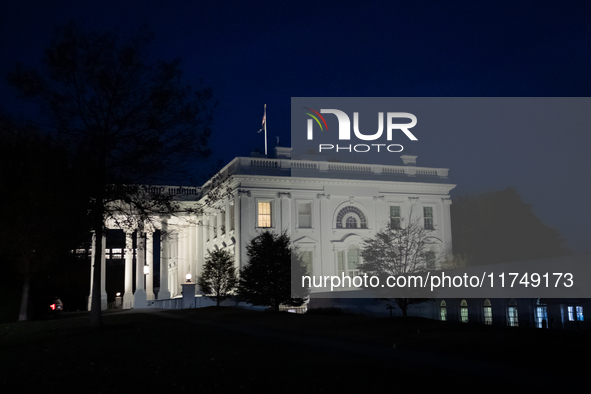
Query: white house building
326	207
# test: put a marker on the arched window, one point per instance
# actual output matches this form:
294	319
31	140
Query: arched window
351	222
443	310
464	311
487	312
351	217
512	320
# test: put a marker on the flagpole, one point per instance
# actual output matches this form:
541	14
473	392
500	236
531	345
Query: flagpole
265	116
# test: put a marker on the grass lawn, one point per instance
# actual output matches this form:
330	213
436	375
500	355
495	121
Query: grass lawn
211	350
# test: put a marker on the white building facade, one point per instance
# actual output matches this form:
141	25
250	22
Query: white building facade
327	208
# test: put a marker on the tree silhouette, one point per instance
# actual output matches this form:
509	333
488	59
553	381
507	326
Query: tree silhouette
400	250
218	280
498	227
44	210
267	278
129	120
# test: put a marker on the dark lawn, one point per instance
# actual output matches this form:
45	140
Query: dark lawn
225	350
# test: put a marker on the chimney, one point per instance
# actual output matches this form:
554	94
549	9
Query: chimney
282	152
409	160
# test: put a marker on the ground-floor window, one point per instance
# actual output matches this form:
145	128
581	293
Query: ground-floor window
575	313
487	312
512	320
541	315
443	310
464	311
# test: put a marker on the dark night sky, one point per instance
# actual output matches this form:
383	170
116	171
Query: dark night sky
265	52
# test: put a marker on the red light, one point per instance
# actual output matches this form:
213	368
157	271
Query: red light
52	306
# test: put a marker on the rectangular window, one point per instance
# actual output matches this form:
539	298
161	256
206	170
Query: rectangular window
352	261
264	214
541	317
223	221
305	215
307	259
488	315
428	216
580	313
571	313
341	263
464	314
395	216
512	317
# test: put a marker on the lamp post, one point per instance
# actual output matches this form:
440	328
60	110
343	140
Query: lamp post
188	293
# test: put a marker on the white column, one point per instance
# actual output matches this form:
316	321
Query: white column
104	303
200	242
183	258
164	292
192	251
92	252
128	295
174	249
246	226
150	264
447	240
285	212
139	297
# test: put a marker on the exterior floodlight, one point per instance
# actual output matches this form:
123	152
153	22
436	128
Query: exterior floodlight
146	269
118	294
188	278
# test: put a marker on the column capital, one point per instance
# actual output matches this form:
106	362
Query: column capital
321	196
446	200
244	193
284	194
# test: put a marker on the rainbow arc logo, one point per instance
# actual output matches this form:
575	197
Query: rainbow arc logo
316	118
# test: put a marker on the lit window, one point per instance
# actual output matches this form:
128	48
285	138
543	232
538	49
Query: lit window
306	257
305	215
464	311
512	318
443	310
395	217
580	313
264	214
428	216
487	312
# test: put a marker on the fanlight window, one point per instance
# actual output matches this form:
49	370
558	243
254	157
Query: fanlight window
351	217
